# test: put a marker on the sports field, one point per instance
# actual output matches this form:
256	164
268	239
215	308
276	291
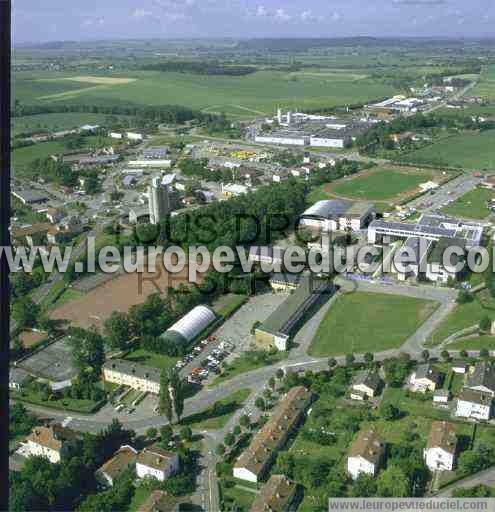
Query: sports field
382	185
369	322
468	150
247	96
472	205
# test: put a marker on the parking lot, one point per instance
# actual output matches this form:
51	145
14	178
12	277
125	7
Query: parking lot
53	362
231	339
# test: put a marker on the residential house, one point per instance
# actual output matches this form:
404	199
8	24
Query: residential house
474	404
366	454
440	451
155	462
125	457
441	396
134	375
277	495
425	378
366	385
54	215
254	462
48	441
482	378
460	367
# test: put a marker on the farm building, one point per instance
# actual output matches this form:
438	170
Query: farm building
337	214
190	325
276	330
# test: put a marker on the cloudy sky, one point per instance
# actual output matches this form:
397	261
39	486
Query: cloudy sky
49	20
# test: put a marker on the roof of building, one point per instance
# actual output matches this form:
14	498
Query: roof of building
285	277
129	368
368	378
293	309
442	435
271	436
368	446
51	437
441	393
275	495
30	196
193	323
124	457
336	208
438	249
18	375
156	457
35	229
427	371
482	375
475	396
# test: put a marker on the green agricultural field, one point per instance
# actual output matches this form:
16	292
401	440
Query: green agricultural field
468	150
379	184
472	205
464	316
369	322
486	86
54	122
241	97
160	361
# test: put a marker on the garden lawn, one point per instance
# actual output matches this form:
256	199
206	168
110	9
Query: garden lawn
369	322
472	205
217	416
160	361
69	404
477	343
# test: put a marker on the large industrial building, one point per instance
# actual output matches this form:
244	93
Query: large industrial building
276	330
337	214
190	325
429	227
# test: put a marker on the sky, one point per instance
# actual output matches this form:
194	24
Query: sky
77	20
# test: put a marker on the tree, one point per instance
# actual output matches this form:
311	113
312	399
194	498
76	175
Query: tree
463	353
25	312
166	435
445	355
178	393
165	401
393	483
464	297
91	184
484	353
186	434
364	486
151	433
118	330
267	393
220	449
349	359
369	357
88	353
485	324
389	412
229	439
271	382
260	403
237	430
332	362
245	421
279	374
425	355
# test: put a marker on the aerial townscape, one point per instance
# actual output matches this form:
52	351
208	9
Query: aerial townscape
261	391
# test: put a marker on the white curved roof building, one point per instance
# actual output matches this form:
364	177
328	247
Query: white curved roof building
192	324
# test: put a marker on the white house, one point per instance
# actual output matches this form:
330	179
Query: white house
365	385
441	396
440	451
115	135
155	462
424	378
366	454
134	136
474	404
47	442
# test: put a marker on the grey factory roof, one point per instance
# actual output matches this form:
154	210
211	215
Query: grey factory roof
135	369
30	196
335	208
155	152
474	396
102	159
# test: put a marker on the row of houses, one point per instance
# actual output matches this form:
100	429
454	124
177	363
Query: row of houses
150	462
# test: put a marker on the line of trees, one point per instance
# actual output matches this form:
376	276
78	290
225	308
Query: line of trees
199	68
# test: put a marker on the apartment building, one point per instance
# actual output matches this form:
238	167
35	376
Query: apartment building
134	375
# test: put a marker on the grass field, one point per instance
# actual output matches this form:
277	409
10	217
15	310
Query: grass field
464	316
472	205
486	86
217	416
476	343
369	322
54	122
468	150
160	361
242	97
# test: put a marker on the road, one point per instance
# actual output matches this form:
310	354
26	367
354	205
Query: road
486	477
